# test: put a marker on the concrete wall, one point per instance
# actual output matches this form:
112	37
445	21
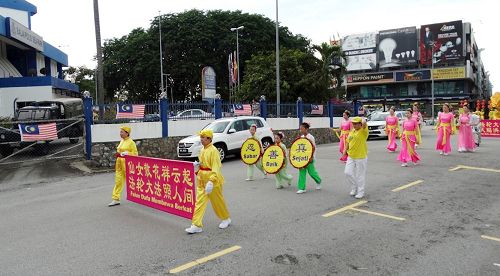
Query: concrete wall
23	94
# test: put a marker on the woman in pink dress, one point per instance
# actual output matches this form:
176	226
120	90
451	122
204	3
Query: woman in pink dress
417	116
465	137
409	137
445	128
392	129
345	128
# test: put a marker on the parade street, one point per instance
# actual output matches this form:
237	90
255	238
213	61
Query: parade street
441	217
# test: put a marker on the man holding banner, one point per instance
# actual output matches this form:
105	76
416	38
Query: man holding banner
209	182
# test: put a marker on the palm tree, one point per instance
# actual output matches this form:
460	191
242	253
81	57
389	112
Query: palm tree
332	67
100	74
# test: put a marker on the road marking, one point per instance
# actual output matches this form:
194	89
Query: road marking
407	185
345	208
496	264
205	259
377	214
490	238
475	168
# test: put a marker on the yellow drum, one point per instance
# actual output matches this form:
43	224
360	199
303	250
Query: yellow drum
273	159
301	153
251	151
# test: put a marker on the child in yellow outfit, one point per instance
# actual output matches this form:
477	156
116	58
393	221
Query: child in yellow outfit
209	183
126	147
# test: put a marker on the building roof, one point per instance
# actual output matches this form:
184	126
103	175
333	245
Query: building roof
19	5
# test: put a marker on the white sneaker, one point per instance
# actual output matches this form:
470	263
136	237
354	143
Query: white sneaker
114	203
446	154
404	165
301	191
415	163
194	229
353	192
225	223
318	186
359	196
441	153
249	179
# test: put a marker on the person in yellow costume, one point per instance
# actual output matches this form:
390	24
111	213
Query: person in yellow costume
209	184
126	147
357	151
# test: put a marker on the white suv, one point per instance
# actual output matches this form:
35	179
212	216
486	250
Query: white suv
229	135
376	122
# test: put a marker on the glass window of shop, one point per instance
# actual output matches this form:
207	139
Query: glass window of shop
376	91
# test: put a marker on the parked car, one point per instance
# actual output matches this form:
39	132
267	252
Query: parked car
376	123
192	114
229	135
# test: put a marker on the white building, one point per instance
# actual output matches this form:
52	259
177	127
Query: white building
30	68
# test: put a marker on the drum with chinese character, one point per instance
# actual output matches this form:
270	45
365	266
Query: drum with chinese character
273	159
251	151
301	153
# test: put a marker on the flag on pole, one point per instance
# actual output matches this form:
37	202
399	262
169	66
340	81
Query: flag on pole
242	110
235	68
130	111
230	67
316	109
38	132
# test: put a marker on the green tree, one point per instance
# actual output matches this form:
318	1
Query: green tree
332	70
83	77
299	77
191	40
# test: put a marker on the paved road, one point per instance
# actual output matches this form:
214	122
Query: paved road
63	227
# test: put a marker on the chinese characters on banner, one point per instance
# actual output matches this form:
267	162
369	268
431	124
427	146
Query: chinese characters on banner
166	185
490	128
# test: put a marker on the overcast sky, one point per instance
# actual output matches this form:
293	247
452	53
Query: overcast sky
69	24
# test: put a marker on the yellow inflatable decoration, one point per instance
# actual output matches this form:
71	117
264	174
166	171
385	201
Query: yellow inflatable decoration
251	151
273	159
301	153
495	106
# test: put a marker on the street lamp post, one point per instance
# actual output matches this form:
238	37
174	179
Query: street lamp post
238	53
278	100
161	55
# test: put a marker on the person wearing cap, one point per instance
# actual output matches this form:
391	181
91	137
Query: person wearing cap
357	151
311	169
251	168
126	147
209	184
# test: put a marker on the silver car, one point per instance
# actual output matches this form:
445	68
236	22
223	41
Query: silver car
376	123
192	114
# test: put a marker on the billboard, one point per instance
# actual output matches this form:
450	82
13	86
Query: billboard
208	88
360	51
443	41
397	47
385	77
448	73
414	75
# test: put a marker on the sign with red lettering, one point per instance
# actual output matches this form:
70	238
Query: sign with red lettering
166	185
490	128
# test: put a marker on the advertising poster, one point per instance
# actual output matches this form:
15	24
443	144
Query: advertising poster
360	51
385	77
448	73
397	47
443	41
414	75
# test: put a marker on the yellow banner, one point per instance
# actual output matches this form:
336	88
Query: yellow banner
448	73
301	153
250	151
273	159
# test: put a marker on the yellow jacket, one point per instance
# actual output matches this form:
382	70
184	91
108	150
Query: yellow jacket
128	145
210	167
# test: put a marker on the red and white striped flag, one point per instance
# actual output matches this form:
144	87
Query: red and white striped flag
38	132
130	111
242	109
317	109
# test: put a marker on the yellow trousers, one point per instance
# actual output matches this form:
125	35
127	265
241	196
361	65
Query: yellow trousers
216	199
119	178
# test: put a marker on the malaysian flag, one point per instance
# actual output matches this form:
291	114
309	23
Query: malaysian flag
316	109
38	132
242	109
130	111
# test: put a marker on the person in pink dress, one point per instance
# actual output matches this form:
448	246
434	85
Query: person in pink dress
409	137
417	116
465	137
445	128
392	129
345	128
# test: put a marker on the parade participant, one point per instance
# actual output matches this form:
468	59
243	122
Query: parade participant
282	176
465	136
209	184
417	116
392	129
357	150
126	147
409	139
304	131
251	168
445	128
345	128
